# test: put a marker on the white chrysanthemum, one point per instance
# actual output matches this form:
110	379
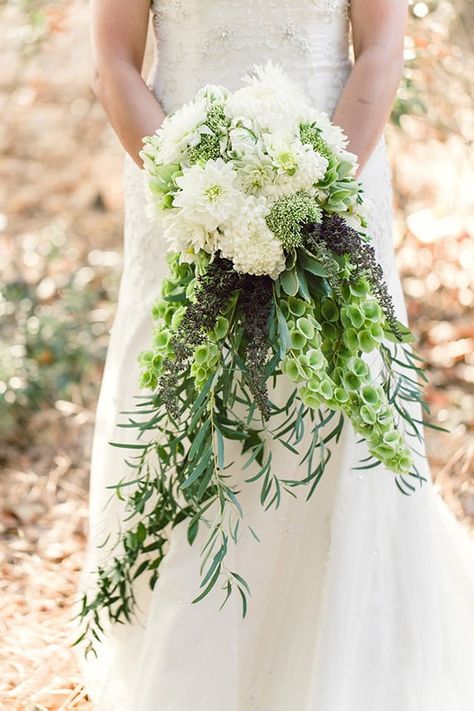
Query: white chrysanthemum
208	194
250	244
273	76
180	130
297	166
269	99
332	134
255	172
184	236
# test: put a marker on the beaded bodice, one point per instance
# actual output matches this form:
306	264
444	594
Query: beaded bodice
216	41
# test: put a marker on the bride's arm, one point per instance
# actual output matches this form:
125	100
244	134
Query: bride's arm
378	30
119	29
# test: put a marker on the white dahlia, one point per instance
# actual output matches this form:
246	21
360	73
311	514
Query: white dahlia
332	134
250	244
269	99
179	131
273	76
185	237
255	172
208	194
296	166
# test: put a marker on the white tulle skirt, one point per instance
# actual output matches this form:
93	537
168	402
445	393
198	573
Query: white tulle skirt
362	598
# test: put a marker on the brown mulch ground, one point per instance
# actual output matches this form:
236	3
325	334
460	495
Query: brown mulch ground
60	186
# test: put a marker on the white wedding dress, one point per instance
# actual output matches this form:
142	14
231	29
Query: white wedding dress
362	598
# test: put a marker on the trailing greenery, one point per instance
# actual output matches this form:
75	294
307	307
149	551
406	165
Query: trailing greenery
312	326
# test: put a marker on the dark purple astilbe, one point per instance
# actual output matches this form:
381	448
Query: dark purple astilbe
341	239
213	291
255	303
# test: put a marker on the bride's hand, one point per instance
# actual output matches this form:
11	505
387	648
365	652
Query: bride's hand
119	31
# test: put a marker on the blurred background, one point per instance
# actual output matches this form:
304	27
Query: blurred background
60	246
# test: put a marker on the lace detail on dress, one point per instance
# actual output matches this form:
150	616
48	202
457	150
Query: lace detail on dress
200	41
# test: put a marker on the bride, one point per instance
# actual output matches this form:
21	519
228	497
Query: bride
362	599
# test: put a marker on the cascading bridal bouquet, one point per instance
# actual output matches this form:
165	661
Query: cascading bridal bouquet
272	275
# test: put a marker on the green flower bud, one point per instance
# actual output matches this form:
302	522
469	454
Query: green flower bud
358	366
313	384
305	326
148	380
370	395
309	398
366	342
368	415
157	361
177	318
405	462
351	381
355	315
161	338
190	288
376	332
316	359
158	310
326	389
220	329
167	286
296	306
298	340
341	396
285	309
330	310
351	340
329	331
145	358
291	370
202	354
382	452
372	310
392	438
360	288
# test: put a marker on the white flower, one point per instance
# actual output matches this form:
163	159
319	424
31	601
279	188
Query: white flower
360	215
243	136
255	172
208	195
269	99
250	244
180	130
184	236
273	76
297	166
332	134
214	93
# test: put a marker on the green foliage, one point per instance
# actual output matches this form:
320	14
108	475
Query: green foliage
48	348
